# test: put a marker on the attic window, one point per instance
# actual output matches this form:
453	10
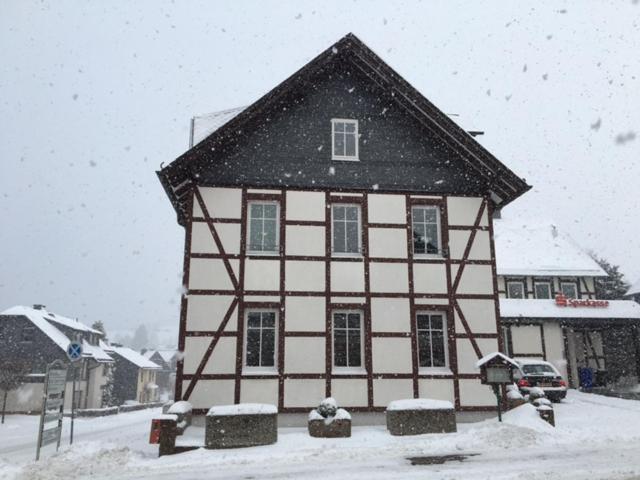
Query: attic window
344	139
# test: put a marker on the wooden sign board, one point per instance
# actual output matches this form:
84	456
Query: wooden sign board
51	416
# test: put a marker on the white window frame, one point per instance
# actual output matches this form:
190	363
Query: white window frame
574	284
440	249
347	158
347	254
347	370
248	369
248	239
522	283
542	282
446	369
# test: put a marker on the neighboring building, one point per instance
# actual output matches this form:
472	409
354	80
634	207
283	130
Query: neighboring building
167	360
634	292
540	271
338	242
40	337
134	377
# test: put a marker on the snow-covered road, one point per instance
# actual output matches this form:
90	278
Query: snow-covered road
596	437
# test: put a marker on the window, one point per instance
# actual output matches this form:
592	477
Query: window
542	289
431	340
569	289
515	289
261	340
346	228
263	227
426	230
347	339
506	340
344	139
28	334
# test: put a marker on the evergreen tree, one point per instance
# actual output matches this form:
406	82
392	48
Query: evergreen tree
11	377
108	394
98	325
614	285
140	338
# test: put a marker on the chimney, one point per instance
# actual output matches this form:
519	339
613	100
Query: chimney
39	306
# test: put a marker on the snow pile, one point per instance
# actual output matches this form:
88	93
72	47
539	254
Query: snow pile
526	416
181	408
242	409
420	404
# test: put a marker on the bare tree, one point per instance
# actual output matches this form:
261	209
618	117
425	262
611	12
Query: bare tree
11	377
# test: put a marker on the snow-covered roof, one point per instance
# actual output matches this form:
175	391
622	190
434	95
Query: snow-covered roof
539	248
38	318
135	358
105	346
166	355
70	323
529	308
204	125
634	289
95	352
487	358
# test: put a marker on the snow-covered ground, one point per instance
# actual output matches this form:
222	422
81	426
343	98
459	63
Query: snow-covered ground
597	437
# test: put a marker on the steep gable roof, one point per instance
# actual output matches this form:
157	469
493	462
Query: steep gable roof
503	185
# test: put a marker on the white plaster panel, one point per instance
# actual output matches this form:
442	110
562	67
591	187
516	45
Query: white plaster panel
206	312
481	248
463	210
305	314
554	345
306	206
347	276
467	357
262	274
223	356
354	300
437	389
388	242
526	339
304	276
457	243
303	393
259	391
208	393
194	348
222	202
390	315
431	301
349	392
480	315
210	274
389	277
304	355
261	298
476	279
391	355
201	239
474	394
429	278
388	390
305	240
387	208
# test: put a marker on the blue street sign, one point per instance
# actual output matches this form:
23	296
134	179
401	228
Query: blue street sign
74	351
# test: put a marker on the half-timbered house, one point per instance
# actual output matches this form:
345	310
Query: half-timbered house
338	242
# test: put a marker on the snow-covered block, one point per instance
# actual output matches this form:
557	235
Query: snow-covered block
241	425
546	413
182	409
416	416
329	421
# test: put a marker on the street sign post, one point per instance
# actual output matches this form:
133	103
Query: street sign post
74	353
496	370
52	406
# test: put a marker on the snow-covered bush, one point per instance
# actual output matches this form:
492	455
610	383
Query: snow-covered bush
328	407
535	393
329	421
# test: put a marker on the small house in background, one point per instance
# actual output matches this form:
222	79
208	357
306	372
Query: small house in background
166	376
134	378
550	310
38	337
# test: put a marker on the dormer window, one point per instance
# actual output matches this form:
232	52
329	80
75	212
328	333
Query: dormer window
344	139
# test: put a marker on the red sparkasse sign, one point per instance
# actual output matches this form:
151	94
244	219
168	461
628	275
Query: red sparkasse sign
563	301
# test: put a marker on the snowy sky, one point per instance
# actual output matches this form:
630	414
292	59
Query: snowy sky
95	95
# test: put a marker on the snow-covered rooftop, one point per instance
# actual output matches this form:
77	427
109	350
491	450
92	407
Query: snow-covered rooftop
38	318
529	308
134	357
204	125
166	355
634	289
95	352
539	248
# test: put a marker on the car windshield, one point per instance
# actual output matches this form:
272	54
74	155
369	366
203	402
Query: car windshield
538	369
